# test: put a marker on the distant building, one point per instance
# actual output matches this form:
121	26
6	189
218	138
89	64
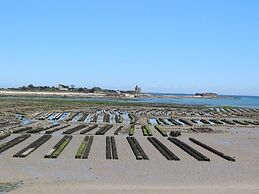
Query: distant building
129	95
137	90
63	87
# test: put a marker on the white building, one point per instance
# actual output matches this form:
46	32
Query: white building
63	87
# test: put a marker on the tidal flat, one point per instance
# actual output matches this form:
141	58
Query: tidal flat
63	146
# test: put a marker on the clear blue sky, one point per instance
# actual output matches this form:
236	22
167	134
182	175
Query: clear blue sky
164	45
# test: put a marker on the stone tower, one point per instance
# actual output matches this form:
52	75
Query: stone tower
137	90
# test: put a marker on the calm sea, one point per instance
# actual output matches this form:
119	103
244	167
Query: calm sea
238	101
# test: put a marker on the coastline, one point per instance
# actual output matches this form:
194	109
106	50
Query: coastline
97	174
143	99
99	95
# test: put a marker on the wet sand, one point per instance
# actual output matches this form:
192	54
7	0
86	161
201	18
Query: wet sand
127	175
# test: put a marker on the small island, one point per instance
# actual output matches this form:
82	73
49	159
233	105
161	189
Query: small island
207	95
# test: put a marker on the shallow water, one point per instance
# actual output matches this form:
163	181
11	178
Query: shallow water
125	116
24	121
153	121
64	116
237	101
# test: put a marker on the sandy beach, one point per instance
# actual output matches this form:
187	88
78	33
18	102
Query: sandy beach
97	174
129	97
50	94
